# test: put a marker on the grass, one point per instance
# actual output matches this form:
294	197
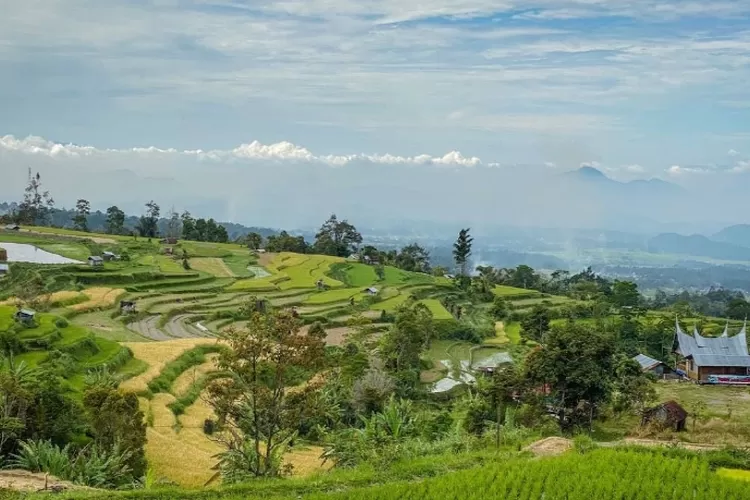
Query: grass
238	264
333	296
510	291
212	265
438	310
390	305
513	332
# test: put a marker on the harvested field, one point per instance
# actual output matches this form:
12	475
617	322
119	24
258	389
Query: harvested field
178	327
149	328
156	355
213	266
550	446
191	375
99	298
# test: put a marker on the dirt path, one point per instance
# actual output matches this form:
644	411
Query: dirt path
21	480
148	327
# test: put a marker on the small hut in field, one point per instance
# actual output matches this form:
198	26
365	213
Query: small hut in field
667	415
3	255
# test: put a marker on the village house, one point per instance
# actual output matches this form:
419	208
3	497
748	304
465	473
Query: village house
96	261
722	359
371	290
654	366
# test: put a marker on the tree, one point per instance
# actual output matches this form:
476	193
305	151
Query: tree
148	223
254	241
115	220
523	276
738	309
37	205
625	294
116	420
260	415
80	221
500	308
414	258
174	224
537	323
462	251
402	345
188	226
577	365
284	242
337	237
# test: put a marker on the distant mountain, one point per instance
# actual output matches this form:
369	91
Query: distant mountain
736	235
697	245
591	174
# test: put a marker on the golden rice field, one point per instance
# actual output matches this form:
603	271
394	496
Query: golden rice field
156	355
213	266
98	298
191	375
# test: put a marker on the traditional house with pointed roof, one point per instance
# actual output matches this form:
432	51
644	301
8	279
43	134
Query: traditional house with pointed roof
711	359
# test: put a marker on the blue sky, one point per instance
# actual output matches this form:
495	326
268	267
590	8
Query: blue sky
639	88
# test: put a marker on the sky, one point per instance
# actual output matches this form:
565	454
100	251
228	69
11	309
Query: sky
231	106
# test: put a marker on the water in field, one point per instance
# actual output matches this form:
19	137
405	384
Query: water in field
21	252
258	272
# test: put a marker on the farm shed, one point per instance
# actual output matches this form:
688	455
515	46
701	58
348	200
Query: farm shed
108	256
12	227
371	290
4	269
169	241
96	261
669	414
127	307
25	315
651	365
701	357
3	255
489	365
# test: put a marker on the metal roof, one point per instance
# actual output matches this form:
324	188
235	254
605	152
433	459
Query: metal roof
4	267
718	360
27	312
647	362
95	258
493	361
714	351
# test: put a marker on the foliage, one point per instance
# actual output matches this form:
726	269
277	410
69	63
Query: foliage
148	224
92	465
173	369
462	251
284	242
37	205
403	343
117	424
371	391
83	209
259	416
537	323
115	220
336	237
202	229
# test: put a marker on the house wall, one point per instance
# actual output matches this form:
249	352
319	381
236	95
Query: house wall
705	371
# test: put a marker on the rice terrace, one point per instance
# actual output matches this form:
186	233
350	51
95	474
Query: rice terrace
160	319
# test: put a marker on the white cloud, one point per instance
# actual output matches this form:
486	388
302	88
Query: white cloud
636	169
677	170
741	167
280	151
733	152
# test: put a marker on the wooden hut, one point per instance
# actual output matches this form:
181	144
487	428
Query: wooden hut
667	415
704	358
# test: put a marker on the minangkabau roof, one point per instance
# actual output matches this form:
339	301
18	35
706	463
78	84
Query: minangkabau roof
714	351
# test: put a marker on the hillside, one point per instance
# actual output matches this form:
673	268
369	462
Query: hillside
736	235
697	245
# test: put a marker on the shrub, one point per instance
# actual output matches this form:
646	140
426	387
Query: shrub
90	466
61	323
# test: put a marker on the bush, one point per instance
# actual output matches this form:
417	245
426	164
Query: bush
583	443
457	330
174	369
61	323
90	466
